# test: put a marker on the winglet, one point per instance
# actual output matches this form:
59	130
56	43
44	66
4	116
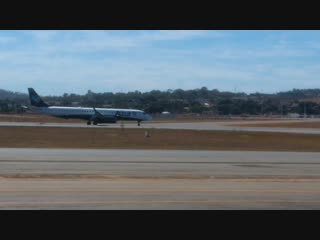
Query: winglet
97	113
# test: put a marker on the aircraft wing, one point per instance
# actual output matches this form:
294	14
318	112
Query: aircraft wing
98	117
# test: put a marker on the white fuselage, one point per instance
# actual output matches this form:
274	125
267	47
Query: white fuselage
87	113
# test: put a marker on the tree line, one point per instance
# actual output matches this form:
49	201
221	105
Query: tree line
201	101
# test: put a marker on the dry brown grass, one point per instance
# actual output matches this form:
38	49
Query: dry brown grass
284	125
102	138
35	118
27	117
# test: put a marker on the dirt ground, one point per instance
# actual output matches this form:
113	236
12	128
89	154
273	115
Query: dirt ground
99	138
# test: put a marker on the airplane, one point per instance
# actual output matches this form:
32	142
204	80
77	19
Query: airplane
94	115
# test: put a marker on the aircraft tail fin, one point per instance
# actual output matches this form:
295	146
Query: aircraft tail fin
35	99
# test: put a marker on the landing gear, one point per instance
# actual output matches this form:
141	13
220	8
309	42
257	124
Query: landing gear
95	123
89	123
139	123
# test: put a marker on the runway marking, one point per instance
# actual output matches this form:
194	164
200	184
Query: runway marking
157	162
230	179
199	126
138	191
36	204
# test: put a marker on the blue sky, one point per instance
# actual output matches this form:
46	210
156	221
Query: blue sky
57	62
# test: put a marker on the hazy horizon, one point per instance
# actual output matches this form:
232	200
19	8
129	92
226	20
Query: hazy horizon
68	61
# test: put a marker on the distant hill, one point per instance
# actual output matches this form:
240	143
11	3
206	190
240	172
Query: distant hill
300	93
200	101
4	94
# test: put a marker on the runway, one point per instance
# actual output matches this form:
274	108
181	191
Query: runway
153	163
212	126
142	179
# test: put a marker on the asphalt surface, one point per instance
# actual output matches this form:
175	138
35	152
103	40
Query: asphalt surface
214	126
148	179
